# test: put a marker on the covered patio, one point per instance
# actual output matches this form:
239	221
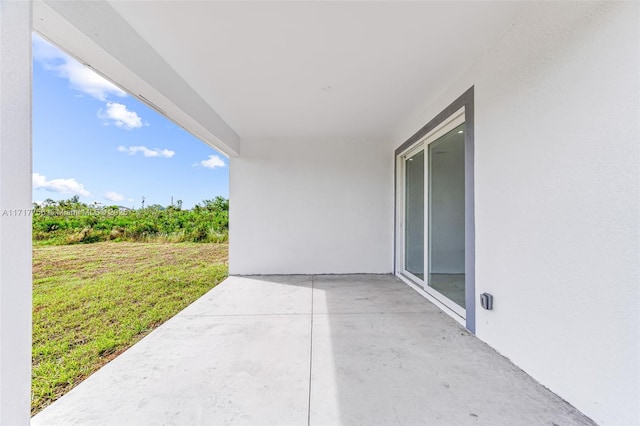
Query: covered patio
311	349
338	119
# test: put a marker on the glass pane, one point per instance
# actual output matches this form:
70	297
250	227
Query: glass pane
414	215
447	215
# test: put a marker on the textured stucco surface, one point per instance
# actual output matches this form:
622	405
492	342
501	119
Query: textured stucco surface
557	200
15	204
311	207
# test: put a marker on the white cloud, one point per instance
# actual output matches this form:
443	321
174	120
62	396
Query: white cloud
211	163
80	77
114	196
119	115
61	186
147	152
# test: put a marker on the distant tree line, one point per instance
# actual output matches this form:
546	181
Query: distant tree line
71	222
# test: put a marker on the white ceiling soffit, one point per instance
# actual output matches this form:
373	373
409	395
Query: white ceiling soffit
307	70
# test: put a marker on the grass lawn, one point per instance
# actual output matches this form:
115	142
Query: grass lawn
93	301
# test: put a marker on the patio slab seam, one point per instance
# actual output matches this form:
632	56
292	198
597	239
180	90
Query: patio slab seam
243	315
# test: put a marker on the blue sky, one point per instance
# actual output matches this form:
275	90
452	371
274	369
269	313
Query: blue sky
92	140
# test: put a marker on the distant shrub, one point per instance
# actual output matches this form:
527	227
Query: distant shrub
72	222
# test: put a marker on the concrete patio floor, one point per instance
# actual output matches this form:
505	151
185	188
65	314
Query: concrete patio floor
318	350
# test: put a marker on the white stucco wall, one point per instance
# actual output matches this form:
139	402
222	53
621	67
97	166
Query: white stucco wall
15	220
557	200
311	206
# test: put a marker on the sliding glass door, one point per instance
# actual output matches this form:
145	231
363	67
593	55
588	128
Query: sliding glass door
432	206
446	216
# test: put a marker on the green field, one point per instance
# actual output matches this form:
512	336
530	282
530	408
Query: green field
93	301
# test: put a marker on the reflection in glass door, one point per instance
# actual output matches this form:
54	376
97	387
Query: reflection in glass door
446	215
414	214
435	230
